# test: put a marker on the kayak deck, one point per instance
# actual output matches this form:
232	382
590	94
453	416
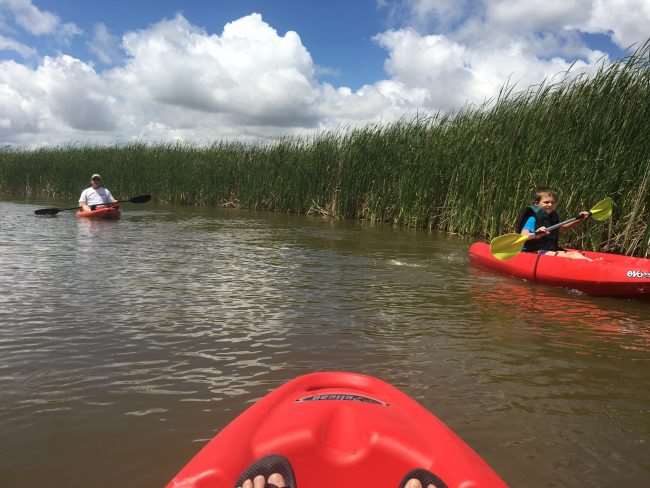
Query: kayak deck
104	212
606	274
338	429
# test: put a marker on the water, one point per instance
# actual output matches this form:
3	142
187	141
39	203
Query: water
124	346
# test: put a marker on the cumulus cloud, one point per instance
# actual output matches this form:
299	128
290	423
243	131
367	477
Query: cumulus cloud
249	72
61	95
21	103
431	63
78	97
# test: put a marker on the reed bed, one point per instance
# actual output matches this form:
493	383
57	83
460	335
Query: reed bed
467	173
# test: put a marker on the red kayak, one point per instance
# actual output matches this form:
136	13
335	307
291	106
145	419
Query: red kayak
606	274
108	212
341	430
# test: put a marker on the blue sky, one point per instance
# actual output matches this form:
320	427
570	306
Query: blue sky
119	71
337	33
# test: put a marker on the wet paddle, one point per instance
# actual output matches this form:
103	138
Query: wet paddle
54	211
509	245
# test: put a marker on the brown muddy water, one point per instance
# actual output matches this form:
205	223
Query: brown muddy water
125	346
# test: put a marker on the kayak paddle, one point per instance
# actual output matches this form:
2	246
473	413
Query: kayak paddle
509	245
54	211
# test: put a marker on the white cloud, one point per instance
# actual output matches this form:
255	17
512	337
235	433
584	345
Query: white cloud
433	63
66	32
104	45
249	73
30	17
7	44
627	20
443	12
536	15
38	22
63	98
20	101
77	96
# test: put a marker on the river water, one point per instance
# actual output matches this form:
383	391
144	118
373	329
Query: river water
125	346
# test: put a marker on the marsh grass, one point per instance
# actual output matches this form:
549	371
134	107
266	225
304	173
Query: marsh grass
467	173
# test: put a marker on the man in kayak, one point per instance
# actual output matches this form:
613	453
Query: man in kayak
95	194
534	221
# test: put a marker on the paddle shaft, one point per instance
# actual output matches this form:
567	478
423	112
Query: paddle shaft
560	224
54	211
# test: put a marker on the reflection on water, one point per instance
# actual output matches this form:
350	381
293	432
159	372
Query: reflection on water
124	345
610	318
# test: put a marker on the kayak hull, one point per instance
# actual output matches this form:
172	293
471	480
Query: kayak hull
606	275
338	429
104	213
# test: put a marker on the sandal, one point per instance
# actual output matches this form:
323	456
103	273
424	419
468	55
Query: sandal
425	478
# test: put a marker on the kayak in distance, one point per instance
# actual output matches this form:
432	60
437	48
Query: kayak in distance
111	213
337	429
604	274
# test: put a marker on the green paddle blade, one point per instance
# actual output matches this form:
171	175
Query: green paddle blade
507	246
140	199
603	209
47	211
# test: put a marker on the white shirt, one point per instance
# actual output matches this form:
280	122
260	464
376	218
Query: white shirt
95	196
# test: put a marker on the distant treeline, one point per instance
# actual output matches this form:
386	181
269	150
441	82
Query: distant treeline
468	173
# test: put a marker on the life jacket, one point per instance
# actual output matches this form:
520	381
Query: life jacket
542	219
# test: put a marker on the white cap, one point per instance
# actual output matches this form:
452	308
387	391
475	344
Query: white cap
96	175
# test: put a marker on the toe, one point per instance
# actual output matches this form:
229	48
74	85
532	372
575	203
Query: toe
413	483
259	481
247	484
277	479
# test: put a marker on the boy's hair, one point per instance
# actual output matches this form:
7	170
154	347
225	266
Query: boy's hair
544	190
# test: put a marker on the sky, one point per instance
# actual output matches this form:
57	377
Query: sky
200	72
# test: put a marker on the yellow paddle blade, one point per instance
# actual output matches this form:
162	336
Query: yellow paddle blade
603	209
507	245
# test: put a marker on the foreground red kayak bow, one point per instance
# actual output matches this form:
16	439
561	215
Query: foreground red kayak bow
340	430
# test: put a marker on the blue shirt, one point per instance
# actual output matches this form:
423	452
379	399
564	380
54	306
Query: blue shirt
530	225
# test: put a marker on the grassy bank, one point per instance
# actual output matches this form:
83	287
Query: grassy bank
467	173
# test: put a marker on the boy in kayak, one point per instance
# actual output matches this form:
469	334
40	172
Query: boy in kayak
95	194
534	221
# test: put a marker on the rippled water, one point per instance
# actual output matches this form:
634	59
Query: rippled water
125	345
